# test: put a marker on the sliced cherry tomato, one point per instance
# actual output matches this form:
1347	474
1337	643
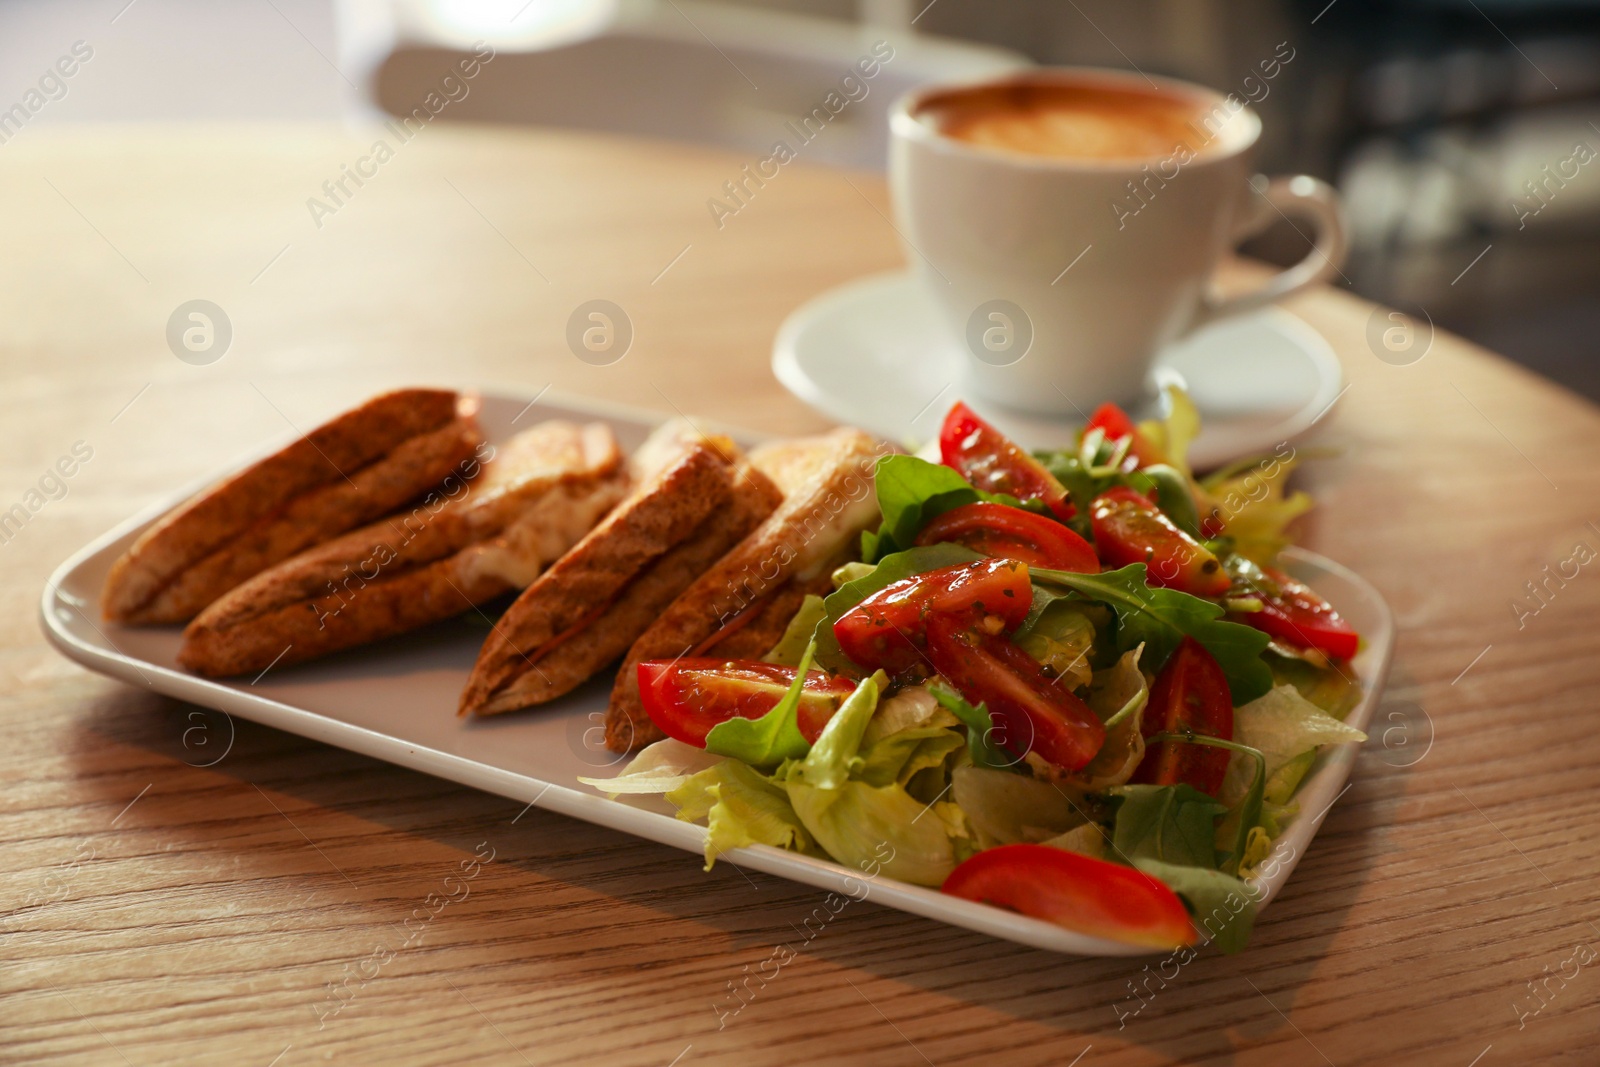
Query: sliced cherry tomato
887	629
991	461
1012	533
1115	424
1032	712
1190	695
687	697
1129	528
1294	613
1077	892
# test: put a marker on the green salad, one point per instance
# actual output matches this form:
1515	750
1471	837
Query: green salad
1073	684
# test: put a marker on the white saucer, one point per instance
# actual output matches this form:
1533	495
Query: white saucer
873	353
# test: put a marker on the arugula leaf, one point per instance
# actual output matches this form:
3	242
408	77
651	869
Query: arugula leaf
1248	810
889	570
1081	485
980	728
1172	823
1223	908
771	739
1161	618
1173	496
911	493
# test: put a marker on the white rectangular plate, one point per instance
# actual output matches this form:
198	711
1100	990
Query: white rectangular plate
396	701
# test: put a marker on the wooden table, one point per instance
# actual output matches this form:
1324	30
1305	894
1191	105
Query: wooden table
157	911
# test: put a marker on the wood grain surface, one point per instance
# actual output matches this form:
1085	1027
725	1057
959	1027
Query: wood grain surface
168	898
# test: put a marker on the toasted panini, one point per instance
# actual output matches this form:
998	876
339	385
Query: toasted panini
347	472
754	590
463	545
693	498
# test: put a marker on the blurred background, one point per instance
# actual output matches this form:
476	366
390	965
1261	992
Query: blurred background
1464	134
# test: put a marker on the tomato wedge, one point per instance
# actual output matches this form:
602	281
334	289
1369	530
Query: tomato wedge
1012	533
1295	614
887	628
686	697
991	461
1190	695
1115	424
1129	528
1032	712
1077	892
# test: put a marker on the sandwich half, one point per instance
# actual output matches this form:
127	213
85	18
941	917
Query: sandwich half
363	464
524	505
693	499
739	608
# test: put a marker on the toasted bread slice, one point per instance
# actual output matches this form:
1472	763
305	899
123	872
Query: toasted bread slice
693	498
816	528
584	651
469	542
347	472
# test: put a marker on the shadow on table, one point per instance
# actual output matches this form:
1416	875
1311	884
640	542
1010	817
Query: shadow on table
1148	1001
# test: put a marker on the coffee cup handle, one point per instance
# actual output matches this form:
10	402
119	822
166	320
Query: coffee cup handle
1287	198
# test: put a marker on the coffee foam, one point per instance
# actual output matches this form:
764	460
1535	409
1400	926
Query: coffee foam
1071	120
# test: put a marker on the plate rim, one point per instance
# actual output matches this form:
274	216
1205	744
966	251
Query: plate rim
1331	771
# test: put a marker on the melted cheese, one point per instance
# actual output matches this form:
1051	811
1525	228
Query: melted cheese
540	535
821	547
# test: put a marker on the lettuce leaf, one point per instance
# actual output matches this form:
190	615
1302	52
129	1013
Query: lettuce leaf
658	768
1251	496
1173	434
910	708
900	757
791	647
1222	907
1161	618
1059	634
1006	808
854	822
1281	725
828	763
1175	824
850	801
1330	689
1118	695
1089	839
771	739
741	807
1287	730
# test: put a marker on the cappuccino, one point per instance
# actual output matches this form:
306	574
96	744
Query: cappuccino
1066	120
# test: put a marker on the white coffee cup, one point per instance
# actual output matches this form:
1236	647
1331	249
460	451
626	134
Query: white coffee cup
1064	277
